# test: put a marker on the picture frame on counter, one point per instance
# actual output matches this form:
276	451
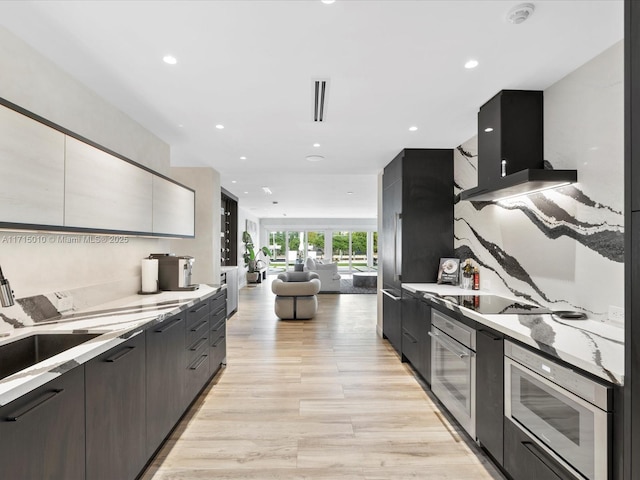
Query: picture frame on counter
449	271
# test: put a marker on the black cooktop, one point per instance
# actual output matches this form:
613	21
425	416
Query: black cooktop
494	304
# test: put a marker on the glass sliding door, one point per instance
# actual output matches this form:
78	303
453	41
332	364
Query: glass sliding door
315	245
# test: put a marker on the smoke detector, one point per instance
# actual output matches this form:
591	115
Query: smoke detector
520	13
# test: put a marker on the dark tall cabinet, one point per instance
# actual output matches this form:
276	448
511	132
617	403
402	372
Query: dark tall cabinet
417	226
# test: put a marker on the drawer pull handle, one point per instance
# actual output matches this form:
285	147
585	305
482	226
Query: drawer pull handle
196	310
198	344
200	361
44	398
489	334
169	325
217	326
119	355
410	337
220	340
200	325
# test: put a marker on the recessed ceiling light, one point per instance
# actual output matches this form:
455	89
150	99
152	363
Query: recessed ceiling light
234	181
315	158
243	158
349	193
219	126
471	64
328	2
246	193
488	129
316	145
413	129
170	59
267	190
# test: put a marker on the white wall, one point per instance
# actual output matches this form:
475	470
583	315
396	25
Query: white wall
34	83
205	247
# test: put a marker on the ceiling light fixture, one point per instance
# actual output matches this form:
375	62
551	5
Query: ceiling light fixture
471	64
246	193
267	190
243	158
219	126
349	193
234	181
316	145
315	158
520	13
170	59
328	2
413	128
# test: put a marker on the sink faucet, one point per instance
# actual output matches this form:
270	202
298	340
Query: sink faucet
6	294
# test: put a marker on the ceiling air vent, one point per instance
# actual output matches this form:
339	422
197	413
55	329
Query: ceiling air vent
320	92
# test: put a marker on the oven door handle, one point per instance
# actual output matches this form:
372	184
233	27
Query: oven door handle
448	345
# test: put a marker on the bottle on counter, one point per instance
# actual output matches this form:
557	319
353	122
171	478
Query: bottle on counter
476	278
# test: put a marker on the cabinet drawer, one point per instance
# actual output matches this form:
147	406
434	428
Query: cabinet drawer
197	330
197	347
410	348
218	353
217	329
195	313
197	373
218	302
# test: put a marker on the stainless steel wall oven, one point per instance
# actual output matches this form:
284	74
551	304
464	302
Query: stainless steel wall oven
453	368
566	414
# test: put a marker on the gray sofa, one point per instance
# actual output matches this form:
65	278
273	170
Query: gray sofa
296	297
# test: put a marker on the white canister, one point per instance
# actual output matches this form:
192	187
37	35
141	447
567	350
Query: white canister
149	268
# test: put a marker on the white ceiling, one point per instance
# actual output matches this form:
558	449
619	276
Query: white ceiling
249	65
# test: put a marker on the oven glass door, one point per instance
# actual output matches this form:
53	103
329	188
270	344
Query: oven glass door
451	377
563	422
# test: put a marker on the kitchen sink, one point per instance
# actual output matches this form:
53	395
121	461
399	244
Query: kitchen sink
28	351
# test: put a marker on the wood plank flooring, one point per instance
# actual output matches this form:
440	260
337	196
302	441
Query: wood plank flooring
319	399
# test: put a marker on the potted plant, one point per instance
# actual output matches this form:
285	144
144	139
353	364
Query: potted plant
251	260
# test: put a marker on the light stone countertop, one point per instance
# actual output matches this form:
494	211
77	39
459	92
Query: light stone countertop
589	345
115	321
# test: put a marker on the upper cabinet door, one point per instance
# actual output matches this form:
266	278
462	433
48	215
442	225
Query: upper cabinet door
32	180
104	192
173	208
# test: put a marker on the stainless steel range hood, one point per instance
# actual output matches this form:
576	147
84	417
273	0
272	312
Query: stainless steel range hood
520	183
510	149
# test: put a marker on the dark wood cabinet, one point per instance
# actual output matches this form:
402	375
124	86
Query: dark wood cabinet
228	229
197	353
417	215
392	318
490	390
217	331
525	460
42	434
416	343
115	412
165	378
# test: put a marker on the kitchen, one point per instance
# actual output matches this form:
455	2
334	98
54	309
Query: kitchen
479	228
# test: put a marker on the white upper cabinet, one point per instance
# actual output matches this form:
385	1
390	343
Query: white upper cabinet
104	192
173	208
32	171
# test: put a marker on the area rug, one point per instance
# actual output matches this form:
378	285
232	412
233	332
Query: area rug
346	286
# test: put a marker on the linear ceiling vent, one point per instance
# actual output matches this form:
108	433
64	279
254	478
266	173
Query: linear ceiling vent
320	93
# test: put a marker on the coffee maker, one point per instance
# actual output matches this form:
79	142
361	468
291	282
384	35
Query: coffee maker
174	272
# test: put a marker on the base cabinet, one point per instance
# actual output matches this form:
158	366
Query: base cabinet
218	331
490	391
115	412
392	318
42	434
416	343
165	379
524	460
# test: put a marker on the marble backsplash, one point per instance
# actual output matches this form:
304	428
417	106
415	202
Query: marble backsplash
562	248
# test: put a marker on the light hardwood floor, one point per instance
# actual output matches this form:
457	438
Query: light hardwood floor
319	399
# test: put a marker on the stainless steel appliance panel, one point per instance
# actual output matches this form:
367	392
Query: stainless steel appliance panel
568	427
453	372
